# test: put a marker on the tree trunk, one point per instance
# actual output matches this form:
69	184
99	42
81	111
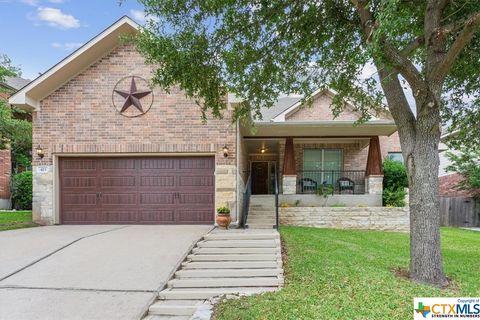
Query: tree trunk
419	137
426	265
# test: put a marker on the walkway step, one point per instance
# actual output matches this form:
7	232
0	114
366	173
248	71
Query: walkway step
240	236
175	307
235	250
230	265
195	293
238	243
224	282
224	273
232	257
260	226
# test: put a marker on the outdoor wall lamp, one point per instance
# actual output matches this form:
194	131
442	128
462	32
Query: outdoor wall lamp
225	151
40	152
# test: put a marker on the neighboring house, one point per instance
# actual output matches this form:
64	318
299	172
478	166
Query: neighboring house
7	87
448	180
113	150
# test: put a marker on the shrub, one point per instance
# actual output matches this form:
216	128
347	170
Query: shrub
223	210
22	190
394	183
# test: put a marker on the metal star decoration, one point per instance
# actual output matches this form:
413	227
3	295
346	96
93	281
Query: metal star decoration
133	96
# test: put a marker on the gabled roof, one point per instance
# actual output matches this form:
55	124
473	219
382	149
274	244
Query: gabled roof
280	117
29	97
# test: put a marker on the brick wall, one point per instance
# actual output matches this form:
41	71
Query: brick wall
5	173
79	117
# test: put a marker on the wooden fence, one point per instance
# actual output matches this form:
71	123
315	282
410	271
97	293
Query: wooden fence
459	212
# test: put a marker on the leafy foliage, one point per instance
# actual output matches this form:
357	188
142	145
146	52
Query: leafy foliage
15	133
394	183
22	190
467	163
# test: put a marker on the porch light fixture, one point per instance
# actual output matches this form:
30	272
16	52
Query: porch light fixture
40	152
225	151
262	150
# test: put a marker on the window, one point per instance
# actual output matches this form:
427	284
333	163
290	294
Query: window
395	156
321	165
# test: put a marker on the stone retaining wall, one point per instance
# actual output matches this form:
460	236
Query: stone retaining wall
375	218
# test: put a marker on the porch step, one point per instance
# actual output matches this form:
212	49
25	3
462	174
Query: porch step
235	250
225	282
231	257
231	273
175	307
260	219
230	265
238	244
195	293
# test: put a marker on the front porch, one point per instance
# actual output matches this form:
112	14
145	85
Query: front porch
347	169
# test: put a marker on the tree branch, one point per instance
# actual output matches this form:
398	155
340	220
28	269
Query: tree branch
400	62
412	46
470	27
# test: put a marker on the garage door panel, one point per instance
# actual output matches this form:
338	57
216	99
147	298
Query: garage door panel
118	181
79	199
119	199
157	198
119	216
117	164
196	198
157	181
76	164
196	163
194	216
79	182
196	181
157	163
79	216
156	216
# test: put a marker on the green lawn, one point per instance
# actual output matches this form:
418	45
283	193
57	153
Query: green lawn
346	274
10	220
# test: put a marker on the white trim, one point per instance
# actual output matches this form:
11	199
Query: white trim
21	97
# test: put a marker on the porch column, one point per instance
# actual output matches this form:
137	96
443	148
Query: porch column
289	181
374	170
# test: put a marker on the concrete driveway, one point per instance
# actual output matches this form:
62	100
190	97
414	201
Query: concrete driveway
88	272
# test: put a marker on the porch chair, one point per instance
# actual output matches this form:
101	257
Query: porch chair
308	185
345	184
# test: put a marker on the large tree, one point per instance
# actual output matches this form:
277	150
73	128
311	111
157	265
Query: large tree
260	49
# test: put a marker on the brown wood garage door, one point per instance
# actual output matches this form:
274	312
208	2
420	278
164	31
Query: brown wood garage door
148	190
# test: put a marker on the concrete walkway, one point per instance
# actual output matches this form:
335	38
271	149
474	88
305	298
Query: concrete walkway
88	272
223	263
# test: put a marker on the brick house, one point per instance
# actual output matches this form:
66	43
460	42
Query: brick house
114	150
8	86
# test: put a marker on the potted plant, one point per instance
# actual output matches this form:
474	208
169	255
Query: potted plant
223	217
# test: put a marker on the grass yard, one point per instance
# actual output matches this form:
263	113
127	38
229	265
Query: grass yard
347	274
10	220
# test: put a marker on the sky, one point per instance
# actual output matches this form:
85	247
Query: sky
36	34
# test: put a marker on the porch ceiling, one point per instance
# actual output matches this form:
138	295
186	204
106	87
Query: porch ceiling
328	128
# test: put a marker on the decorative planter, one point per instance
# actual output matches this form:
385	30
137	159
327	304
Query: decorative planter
223	220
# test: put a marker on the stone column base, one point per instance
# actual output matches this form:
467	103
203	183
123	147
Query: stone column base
374	184
289	184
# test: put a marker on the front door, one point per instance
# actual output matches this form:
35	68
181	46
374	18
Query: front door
260	177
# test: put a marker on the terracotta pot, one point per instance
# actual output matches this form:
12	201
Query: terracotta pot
223	220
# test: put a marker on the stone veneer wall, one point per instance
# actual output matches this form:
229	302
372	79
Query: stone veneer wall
374	218
79	118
